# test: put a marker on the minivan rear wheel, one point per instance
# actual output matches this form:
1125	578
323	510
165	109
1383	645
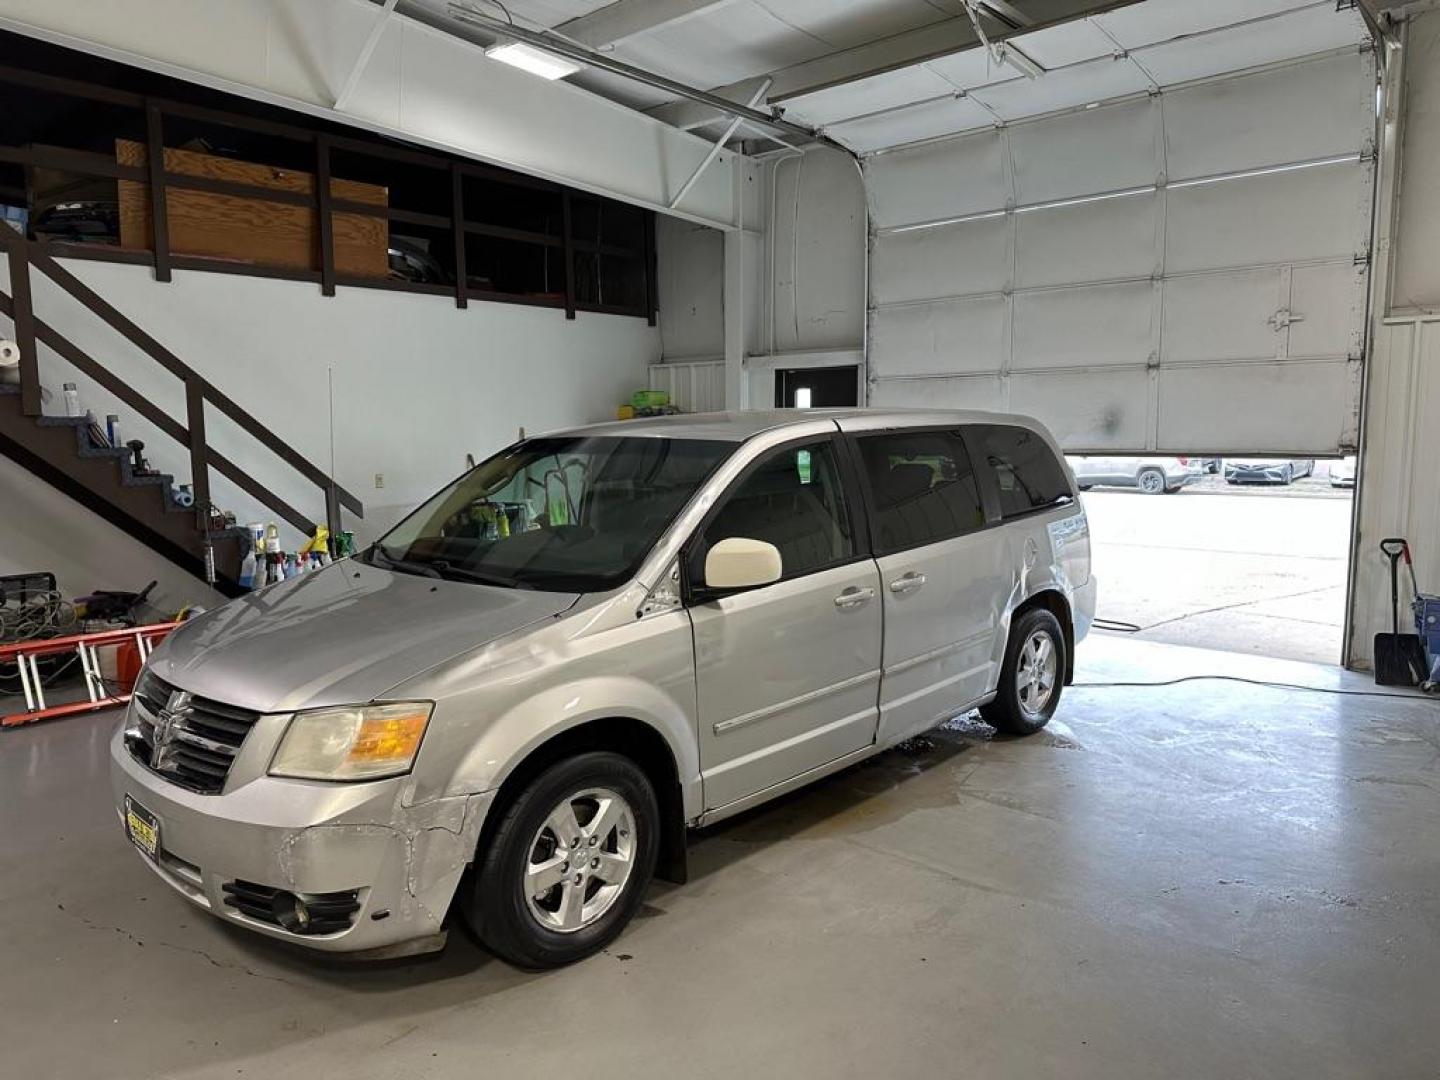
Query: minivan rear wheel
1032	676
569	863
1151	481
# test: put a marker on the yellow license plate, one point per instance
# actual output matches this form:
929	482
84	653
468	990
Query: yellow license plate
142	827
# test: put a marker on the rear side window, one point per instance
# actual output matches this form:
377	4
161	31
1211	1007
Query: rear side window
923	486
1028	475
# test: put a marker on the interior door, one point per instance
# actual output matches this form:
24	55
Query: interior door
943	577
786	674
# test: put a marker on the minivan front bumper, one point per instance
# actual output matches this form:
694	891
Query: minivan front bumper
402	864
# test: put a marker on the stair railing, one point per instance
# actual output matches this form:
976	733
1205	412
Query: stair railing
18	304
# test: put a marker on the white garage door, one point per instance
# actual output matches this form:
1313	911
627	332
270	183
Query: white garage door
1184	271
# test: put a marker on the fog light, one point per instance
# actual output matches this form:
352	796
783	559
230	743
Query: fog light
290	912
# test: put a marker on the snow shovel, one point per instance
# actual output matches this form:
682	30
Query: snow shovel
1399	658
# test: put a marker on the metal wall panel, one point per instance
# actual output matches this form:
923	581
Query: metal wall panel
1083	326
1275	117
1103	149
1183	272
940	180
1093	241
927	263
938	338
1289	217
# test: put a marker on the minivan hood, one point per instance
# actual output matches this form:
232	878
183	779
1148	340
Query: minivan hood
340	636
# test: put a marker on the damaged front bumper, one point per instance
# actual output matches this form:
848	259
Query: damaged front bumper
308	839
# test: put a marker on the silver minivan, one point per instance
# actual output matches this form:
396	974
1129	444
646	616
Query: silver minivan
512	707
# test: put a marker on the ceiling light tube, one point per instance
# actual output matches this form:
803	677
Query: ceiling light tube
536	61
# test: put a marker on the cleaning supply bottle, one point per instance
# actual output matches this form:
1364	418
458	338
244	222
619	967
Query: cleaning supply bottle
247	570
72	400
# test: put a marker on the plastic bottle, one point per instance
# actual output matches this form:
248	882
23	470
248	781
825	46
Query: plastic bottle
247	570
112	429
72	400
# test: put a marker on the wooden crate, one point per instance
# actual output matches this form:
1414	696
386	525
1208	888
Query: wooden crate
249	230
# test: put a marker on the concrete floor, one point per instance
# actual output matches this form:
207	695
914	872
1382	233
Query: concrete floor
1210	880
1248	569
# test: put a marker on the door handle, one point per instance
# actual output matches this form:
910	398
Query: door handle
907	583
853	597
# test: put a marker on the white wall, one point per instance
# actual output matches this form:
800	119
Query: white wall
417	382
798	265
1399	493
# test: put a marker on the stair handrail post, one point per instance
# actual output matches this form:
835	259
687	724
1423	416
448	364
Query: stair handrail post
199	448
17	251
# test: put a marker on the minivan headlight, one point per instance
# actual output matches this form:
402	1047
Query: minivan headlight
358	742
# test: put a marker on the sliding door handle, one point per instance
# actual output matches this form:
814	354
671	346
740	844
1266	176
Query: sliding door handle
907	583
853	598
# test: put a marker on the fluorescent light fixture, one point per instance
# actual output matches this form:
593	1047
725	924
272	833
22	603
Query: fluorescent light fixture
536	61
802	397
1020	62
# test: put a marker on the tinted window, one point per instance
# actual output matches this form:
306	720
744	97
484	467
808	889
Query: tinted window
924	488
793	500
566	513
1027	473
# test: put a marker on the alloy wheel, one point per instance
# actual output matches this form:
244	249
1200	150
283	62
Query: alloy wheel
1035	673
580	860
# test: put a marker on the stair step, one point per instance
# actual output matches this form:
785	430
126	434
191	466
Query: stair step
61	421
118	453
129	479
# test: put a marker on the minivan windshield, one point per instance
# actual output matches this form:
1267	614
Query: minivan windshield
569	513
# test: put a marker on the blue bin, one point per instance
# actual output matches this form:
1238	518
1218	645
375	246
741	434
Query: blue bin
1427	625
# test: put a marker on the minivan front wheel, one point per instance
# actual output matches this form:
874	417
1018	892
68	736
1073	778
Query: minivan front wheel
1032	676
569	863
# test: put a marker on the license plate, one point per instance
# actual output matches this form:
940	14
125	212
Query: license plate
142	827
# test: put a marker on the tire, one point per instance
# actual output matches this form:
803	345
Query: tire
1085	487
1009	712
1289	475
550	929
1151	481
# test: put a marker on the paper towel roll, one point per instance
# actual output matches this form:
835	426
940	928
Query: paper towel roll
9	354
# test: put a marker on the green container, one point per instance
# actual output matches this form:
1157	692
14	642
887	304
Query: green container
650	399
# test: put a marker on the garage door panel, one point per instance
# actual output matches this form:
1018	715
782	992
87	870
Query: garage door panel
1105	149
1083	326
1221	317
1064	89
1329	302
1271	118
1092	411
1288	407
947	116
980	392
971	179
1091	241
939	338
948	260
1295	216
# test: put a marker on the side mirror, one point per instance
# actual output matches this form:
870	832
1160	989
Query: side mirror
741	563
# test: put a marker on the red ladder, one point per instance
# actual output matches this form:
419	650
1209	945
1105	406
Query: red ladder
25	653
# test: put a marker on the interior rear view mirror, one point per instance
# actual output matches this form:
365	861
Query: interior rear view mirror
742	563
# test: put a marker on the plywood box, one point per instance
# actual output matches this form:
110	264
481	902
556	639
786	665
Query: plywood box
253	230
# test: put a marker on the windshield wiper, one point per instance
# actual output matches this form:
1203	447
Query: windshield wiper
446	570
407	566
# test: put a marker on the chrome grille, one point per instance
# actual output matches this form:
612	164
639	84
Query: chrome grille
191	741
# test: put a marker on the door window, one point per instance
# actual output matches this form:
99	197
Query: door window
795	500
923	486
1027	474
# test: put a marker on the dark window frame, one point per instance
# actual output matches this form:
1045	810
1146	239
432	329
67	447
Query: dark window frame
872	510
695	592
302	130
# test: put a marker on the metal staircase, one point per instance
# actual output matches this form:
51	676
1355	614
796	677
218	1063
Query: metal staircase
59	450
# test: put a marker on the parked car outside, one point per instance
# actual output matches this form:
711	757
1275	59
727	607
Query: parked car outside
1342	472
1267	470
1152	475
519	698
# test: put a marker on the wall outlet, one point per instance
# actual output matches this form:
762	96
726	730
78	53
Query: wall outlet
379	480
